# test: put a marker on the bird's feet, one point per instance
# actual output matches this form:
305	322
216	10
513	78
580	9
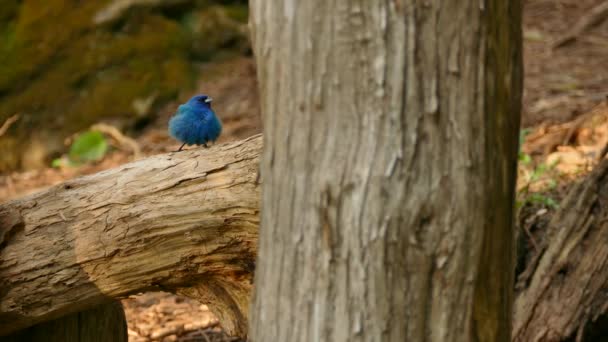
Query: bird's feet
180	148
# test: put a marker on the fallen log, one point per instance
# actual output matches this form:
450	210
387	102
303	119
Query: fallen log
562	295
182	222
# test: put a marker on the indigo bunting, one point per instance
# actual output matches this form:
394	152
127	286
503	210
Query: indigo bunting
195	123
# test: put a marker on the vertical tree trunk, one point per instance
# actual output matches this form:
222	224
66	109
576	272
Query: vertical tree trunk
390	134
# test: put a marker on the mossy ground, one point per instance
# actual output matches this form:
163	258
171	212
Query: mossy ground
61	73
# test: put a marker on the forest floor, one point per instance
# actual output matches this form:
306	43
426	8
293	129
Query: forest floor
564	121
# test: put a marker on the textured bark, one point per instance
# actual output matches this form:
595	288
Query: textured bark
564	289
184	222
390	134
103	323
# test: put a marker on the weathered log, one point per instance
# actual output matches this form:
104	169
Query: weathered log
183	222
564	288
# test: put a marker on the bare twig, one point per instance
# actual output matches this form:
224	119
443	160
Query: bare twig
7	124
122	140
597	14
205	336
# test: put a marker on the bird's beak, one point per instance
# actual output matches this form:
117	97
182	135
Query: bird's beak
208	100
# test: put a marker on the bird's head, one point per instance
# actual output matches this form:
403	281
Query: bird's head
200	100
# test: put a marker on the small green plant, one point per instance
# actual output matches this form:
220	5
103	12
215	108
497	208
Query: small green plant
87	147
524	158
534	174
537	198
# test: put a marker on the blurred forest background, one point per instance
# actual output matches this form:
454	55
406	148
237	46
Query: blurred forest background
65	65
89	85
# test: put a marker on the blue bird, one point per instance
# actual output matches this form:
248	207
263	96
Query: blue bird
195	123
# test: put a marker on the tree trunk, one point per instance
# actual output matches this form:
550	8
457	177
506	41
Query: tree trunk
103	323
564	290
183	222
389	166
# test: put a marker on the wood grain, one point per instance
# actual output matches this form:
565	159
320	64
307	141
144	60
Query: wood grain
390	134
564	288
183	222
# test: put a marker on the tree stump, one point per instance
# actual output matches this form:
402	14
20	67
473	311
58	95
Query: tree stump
103	323
563	292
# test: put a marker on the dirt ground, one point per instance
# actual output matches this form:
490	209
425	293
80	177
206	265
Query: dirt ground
565	117
561	83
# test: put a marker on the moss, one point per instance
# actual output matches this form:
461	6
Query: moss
62	73
206	36
238	12
41	31
8	10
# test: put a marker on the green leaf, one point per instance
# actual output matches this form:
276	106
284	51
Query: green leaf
57	163
537	198
538	172
89	146
534	35
522	136
550	202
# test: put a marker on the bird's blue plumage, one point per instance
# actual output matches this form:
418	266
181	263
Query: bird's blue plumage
195	123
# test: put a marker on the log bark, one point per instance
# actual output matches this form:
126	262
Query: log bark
183	222
563	291
390	133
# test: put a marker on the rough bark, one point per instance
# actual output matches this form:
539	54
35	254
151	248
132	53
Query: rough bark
390	134
103	323
184	222
564	289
